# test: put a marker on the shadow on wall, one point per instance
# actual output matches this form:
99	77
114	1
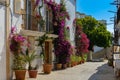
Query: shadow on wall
104	72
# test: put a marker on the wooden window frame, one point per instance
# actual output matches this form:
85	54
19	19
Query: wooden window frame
49	20
28	23
17	6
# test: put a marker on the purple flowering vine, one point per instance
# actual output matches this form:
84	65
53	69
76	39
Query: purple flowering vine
61	45
16	41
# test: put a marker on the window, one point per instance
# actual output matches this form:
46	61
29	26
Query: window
30	19
49	23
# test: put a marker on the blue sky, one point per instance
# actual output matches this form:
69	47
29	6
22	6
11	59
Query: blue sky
98	9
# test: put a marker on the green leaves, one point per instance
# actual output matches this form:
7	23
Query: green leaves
96	32
29	57
41	40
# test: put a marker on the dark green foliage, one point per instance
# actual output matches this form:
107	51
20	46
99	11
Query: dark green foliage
29	57
96	32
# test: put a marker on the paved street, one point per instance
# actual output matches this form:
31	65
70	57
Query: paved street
87	71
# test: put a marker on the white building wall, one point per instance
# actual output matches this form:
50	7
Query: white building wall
71	8
57	1
16	18
2	44
70	5
96	48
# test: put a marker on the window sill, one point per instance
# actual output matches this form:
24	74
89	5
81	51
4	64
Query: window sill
36	33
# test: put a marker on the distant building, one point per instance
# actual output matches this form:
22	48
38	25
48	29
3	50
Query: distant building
81	15
103	22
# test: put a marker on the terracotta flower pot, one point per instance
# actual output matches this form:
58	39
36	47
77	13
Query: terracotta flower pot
72	64
64	66
20	74
69	65
33	73
59	66
47	68
75	63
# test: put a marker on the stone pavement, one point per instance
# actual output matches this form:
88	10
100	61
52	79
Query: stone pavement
86	71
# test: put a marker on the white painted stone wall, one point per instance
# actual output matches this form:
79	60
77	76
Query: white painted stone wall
96	48
16	18
2	44
71	8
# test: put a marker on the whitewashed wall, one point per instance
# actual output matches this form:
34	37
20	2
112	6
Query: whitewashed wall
2	44
16	18
96	48
71	8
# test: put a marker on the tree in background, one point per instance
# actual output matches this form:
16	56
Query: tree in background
95	31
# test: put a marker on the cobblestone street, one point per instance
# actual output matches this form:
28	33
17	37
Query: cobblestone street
87	71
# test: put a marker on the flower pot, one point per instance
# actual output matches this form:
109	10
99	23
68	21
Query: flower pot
69	65
32	73
72	64
20	74
64	66
83	61
59	66
47	68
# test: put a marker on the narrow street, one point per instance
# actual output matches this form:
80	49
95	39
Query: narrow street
86	71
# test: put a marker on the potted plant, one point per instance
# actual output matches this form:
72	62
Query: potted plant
18	62
29	57
16	43
19	67
47	67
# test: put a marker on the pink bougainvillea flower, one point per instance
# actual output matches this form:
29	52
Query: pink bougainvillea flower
13	29
62	23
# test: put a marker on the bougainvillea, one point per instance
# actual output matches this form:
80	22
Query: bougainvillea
82	42
17	41
61	45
